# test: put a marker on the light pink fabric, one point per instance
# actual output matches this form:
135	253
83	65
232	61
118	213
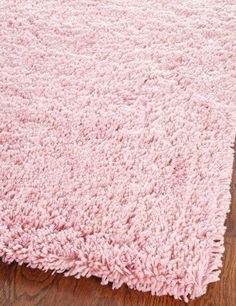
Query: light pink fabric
116	126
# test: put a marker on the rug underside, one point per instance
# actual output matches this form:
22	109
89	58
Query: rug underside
117	120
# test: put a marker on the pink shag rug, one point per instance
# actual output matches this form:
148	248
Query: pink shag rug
116	125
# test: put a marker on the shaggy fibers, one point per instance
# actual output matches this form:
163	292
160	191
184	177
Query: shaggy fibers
117	120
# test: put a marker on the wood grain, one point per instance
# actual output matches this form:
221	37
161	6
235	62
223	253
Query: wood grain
22	286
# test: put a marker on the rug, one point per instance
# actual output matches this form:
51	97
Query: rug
117	120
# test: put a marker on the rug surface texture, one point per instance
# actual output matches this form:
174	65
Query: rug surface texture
117	120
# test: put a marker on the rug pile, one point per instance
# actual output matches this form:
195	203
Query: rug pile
117	120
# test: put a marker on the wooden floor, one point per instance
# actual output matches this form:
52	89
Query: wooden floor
21	286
